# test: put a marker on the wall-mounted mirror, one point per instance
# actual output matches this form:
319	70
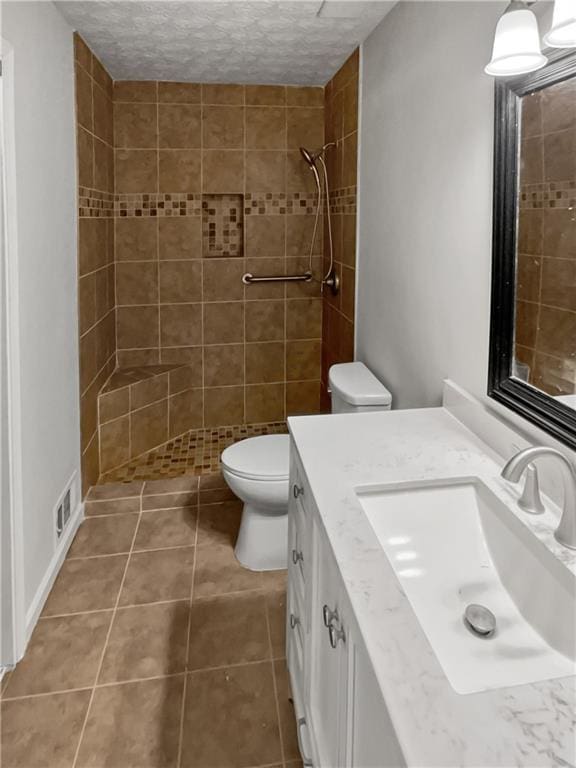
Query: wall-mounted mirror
533	331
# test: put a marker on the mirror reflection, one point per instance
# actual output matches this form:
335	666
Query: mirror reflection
545	312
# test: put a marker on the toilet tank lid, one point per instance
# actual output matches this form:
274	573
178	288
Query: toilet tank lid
356	385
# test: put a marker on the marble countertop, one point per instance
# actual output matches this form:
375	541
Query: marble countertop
527	725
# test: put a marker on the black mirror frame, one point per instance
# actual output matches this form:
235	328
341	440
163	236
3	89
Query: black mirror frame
555	418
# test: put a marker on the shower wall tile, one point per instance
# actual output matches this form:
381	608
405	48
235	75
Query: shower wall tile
265	95
96	308
186	187
180	126
179	93
341	127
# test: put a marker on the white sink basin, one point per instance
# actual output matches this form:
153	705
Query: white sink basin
454	543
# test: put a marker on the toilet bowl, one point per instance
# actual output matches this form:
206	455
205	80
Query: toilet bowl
257	471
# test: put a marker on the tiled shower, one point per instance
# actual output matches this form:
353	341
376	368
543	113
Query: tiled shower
183	188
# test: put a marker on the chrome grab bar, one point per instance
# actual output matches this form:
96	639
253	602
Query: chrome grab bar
250	278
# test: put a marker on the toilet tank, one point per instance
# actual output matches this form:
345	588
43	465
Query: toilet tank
355	389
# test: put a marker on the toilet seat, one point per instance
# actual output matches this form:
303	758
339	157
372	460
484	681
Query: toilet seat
264	458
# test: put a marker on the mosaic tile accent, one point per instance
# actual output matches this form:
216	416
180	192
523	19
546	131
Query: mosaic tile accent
158	204
195	453
222	226
93	203
267	204
548	194
343	200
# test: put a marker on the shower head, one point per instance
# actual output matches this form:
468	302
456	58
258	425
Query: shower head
310	157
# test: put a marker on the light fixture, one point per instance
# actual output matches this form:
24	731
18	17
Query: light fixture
562	33
516	43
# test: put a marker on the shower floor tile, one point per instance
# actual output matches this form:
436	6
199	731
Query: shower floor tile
195	453
151	674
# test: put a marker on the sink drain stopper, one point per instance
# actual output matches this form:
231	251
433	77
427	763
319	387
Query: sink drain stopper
480	620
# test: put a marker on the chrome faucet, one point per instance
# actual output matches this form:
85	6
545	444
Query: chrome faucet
565	534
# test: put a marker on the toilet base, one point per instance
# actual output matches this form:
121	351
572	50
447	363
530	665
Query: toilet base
262	539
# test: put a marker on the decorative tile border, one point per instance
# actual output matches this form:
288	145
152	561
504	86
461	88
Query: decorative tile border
269	204
551	194
159	204
195	453
222	225
163	204
95	204
343	200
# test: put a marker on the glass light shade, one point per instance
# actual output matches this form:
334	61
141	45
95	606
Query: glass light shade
516	43
562	33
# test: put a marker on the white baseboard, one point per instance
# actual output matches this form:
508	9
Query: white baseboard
52	571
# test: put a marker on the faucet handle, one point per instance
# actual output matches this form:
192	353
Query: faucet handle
530	500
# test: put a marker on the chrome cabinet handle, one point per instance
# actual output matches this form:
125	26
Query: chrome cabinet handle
294	621
297	490
306	761
329	616
336	634
297	556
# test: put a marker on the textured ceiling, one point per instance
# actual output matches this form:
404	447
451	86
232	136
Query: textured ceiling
246	41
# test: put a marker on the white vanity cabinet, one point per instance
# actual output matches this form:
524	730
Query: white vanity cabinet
341	716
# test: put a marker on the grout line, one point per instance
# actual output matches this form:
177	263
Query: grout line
191	598
274	684
106	641
133	551
185	673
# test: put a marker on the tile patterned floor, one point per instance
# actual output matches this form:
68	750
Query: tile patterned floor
155	647
195	453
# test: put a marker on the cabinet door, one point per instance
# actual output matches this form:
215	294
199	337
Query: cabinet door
371	741
328	660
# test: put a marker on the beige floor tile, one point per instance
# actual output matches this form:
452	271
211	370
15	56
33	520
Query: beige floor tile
273	581
115	490
104	536
133	725
3	684
286	709
171	485
43	731
167	528
112	506
230	718
165	574
86	585
212	481
228	630
146	641
218	572
63	653
276	607
170	500
219	523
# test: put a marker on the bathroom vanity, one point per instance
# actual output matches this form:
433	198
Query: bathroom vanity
384	671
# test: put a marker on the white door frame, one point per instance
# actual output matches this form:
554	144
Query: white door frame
12	596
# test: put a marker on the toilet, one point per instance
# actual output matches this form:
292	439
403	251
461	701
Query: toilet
257	470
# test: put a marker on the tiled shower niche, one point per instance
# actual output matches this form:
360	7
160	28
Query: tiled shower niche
222	226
